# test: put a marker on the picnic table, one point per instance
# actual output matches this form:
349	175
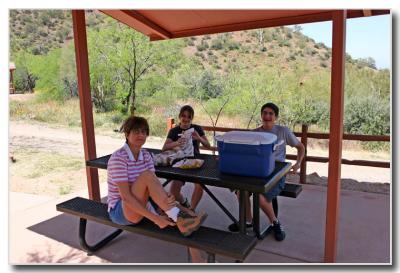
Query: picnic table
209	175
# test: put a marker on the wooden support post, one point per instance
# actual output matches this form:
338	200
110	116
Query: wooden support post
170	123
85	100
335	134
12	87
303	166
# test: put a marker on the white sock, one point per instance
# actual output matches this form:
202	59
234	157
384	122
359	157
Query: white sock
173	213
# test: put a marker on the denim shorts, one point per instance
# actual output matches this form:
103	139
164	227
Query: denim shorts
275	191
117	215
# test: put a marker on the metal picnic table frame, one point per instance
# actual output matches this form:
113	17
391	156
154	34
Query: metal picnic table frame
209	174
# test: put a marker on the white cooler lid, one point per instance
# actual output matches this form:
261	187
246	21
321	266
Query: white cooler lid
247	137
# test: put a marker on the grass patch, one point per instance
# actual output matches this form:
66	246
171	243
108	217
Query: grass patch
65	189
34	164
65	113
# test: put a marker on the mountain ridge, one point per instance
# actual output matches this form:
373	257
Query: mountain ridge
40	31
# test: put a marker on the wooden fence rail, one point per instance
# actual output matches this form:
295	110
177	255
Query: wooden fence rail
304	136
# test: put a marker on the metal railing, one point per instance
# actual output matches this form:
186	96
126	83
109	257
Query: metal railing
304	136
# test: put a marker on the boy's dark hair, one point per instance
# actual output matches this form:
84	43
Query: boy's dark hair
272	106
187	108
135	123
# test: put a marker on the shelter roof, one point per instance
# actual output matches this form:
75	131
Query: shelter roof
169	24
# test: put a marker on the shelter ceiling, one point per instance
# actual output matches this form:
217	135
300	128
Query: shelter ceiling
168	24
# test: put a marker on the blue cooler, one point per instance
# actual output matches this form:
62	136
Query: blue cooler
247	153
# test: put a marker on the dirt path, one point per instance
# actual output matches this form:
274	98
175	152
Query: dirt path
67	141
63	140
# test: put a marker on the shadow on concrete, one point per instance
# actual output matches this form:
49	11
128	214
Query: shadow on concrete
364	232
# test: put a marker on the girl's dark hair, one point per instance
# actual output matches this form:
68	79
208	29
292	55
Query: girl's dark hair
187	108
134	123
271	106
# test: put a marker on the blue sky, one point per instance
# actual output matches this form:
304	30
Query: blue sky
365	37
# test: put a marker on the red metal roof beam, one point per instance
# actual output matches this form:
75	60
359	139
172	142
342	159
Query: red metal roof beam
367	12
137	21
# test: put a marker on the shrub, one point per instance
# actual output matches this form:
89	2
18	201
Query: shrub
232	45
217	44
30	28
24	78
43	33
199	54
203	46
367	115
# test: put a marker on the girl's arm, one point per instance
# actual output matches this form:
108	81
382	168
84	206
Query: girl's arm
300	154
202	139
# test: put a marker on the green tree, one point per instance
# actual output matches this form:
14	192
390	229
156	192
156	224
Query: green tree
129	55
25	79
68	70
47	68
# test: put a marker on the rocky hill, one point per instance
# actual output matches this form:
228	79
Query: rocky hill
39	31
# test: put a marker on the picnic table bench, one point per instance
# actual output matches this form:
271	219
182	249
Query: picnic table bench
212	241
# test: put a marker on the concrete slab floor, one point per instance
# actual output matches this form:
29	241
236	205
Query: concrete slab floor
40	234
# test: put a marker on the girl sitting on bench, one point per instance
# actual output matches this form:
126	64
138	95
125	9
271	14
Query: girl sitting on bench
131	181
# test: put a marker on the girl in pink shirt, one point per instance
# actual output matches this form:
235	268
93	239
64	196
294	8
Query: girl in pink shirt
131	181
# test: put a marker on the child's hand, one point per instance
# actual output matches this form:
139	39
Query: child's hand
171	200
163	221
195	135
294	168
180	142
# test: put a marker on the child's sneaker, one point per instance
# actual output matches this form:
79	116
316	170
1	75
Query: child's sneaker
187	224
235	228
279	233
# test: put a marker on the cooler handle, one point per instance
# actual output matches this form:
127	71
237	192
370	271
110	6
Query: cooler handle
280	142
247	142
238	141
